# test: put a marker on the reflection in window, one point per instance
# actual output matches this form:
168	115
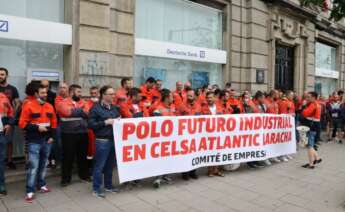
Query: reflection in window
19	56
48	10
171	70
325	56
179	21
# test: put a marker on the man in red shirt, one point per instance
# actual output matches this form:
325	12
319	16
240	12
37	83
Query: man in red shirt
62	93
164	108
179	94
39	121
156	93
73	112
223	101
121	93
134	107
286	104
271	102
311	113
6	121
189	108
147	90
211	108
234	102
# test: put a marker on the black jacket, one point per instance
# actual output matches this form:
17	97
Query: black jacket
98	114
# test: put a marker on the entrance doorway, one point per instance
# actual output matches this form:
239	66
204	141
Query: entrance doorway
284	68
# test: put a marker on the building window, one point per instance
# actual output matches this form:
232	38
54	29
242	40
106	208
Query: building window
47	10
326	73
170	71
20	56
179	41
179	21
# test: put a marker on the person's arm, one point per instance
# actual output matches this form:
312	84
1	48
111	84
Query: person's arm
24	120
63	109
124	110
8	120
94	123
16	101
308	111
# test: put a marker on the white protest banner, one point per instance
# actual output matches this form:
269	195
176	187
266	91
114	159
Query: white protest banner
147	147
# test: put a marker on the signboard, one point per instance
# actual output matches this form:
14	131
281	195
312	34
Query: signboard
152	48
321	72
154	146
12	27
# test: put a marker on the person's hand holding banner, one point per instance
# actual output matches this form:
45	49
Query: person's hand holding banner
155	146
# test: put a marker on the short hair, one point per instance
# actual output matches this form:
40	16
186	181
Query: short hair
103	90
228	84
189	89
32	88
40	87
271	93
165	93
209	93
150	80
133	92
258	95
223	93
314	94
5	70
340	92
124	80
287	92
217	91
94	88
73	87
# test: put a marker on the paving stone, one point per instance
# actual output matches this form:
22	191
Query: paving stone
280	187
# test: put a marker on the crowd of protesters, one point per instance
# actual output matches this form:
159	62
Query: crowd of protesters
67	127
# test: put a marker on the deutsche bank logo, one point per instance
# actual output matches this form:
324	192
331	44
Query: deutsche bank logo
202	54
3	26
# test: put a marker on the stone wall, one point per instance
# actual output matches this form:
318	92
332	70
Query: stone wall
257	26
106	41
249	50
103	42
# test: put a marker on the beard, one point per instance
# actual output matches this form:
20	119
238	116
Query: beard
75	98
3	81
42	100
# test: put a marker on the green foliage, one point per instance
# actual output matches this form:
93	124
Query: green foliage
337	10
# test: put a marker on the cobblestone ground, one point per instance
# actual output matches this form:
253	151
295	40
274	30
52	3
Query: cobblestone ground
280	187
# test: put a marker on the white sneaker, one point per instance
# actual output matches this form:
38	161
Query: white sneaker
283	158
289	157
275	160
267	162
29	197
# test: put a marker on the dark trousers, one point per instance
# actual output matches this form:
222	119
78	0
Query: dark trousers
55	153
74	146
336	124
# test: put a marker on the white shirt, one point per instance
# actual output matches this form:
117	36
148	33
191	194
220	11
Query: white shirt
213	109
136	107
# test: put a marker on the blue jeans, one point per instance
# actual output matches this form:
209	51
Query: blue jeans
311	139
3	144
104	161
37	162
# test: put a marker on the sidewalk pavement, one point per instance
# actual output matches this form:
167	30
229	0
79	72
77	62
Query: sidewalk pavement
281	187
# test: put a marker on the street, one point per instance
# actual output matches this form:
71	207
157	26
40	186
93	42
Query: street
280	187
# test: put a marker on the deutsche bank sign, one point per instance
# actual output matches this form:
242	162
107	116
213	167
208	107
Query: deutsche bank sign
153	48
19	28
200	54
